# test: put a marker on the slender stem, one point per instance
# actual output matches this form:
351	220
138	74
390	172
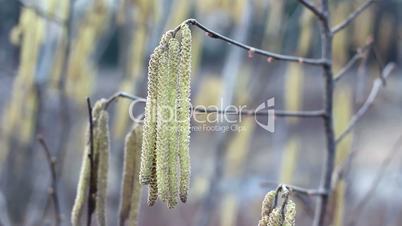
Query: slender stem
297	189
92	189
377	84
53	189
243	112
309	5
361	53
278	113
352	16
252	50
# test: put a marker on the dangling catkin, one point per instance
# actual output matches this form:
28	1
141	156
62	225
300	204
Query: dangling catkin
150	124
84	179
163	132
183	114
131	188
136	193
102	150
82	188
173	51
290	214
275	218
267	204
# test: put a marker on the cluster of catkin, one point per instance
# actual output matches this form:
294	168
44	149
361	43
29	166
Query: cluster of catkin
98	170
277	216
165	158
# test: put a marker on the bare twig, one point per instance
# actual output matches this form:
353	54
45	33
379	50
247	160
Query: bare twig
92	176
117	95
297	189
244	112
377	84
53	189
359	55
356	212
309	5
352	16
251	112
251	49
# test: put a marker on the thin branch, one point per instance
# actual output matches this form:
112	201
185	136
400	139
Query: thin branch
117	95
380	173
92	188
252	50
243	112
297	189
53	189
42	13
246	112
377	84
309	5
352	16
361	52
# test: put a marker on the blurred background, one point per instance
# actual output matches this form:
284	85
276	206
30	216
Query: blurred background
53	54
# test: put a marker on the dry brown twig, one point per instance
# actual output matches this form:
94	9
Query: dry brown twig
53	191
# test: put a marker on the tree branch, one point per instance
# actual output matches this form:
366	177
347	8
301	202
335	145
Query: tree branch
361	52
309	5
244	112
53	189
297	189
92	177
352	16
251	49
377	84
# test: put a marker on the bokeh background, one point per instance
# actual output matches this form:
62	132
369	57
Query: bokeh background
108	43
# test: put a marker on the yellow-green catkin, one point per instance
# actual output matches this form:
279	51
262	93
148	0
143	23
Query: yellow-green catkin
290	214
267	207
102	140
136	186
173	60
275	218
84	178
183	111
82	188
163	130
150	124
131	165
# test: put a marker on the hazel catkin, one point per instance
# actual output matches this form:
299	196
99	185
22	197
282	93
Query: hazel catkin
85	173
290	214
165	159
173	61
102	140
136	188
183	114
147	172
132	151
